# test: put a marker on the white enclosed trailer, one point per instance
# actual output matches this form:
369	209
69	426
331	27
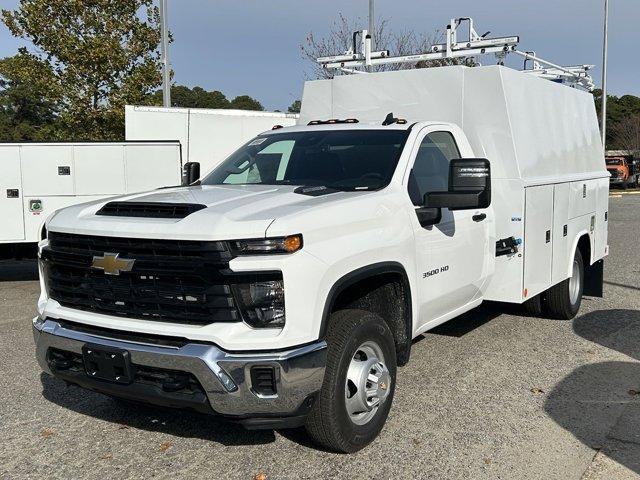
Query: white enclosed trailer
549	182
37	179
207	136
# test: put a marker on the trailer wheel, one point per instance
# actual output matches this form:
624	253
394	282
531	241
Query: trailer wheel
359	382
563	300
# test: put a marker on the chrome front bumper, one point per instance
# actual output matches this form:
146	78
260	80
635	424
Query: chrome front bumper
225	377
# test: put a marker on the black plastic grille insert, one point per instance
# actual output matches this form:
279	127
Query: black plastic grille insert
186	282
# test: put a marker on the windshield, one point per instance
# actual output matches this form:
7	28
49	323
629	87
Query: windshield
340	159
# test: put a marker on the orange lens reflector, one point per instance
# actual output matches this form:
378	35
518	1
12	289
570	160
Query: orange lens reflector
292	243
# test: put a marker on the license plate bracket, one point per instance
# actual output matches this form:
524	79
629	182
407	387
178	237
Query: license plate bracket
108	364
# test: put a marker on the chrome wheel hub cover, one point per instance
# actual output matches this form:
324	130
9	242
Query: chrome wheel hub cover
368	383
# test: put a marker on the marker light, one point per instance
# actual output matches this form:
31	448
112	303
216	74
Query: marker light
288	244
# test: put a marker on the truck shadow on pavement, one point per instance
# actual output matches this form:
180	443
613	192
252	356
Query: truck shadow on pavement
18	270
123	414
599	403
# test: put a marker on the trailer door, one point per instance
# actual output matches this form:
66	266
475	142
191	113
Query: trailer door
11	194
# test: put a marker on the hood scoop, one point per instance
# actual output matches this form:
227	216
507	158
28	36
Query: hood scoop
149	209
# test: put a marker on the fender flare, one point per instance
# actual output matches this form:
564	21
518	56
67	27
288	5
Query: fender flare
574	247
363	273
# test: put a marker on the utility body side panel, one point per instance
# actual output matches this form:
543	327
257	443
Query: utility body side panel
561	240
11	194
51	176
207	135
538	225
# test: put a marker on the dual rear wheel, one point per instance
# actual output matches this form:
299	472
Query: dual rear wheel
562	301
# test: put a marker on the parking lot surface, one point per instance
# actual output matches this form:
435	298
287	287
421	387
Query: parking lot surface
493	394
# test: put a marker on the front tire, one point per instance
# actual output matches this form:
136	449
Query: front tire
564	299
359	382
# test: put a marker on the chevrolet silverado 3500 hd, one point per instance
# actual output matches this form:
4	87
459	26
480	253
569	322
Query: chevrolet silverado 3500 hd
285	287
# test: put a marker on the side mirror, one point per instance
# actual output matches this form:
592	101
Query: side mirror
469	186
190	173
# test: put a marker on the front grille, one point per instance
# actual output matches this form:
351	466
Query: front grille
186	282
149	209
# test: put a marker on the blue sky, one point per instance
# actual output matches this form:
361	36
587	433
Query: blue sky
253	46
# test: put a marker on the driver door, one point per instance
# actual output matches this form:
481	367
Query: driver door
451	254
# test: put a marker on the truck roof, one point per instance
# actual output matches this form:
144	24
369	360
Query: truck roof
339	126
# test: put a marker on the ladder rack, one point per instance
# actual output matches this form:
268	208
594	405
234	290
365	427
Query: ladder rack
360	57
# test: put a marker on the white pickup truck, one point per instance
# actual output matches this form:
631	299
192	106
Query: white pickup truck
285	287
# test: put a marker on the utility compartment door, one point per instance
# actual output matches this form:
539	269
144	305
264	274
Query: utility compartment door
47	170
561	238
99	169
538	235
151	166
11	194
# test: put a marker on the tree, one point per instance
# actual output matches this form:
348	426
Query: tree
91	57
245	102
295	107
27	111
340	40
627	134
619	110
196	97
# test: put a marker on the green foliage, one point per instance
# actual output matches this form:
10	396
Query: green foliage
91	58
27	108
295	107
619	110
245	102
198	97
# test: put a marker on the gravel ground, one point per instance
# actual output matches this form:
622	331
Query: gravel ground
493	394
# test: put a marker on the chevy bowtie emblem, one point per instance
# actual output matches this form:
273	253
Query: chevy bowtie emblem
111	264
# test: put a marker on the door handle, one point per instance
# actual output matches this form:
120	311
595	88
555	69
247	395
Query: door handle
479	217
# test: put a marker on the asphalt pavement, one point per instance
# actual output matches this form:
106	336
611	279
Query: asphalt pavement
493	394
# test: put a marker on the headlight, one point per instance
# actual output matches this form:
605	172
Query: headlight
262	303
289	244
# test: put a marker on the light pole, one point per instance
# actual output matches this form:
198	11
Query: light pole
372	24
604	74
164	52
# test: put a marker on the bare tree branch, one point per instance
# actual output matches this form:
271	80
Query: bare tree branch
627	133
405	42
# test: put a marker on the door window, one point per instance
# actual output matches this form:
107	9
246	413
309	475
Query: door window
430	171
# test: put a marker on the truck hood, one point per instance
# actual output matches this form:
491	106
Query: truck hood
232	212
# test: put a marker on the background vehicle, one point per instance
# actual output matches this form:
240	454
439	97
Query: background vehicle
37	179
207	135
624	169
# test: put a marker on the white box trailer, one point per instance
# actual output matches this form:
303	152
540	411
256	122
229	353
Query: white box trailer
37	179
207	136
549	182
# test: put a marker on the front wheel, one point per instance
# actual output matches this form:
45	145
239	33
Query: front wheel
563	300
359	382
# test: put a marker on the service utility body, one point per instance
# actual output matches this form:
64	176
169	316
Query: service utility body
284	287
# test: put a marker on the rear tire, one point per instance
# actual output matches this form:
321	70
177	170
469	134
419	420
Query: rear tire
564	299
351	409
